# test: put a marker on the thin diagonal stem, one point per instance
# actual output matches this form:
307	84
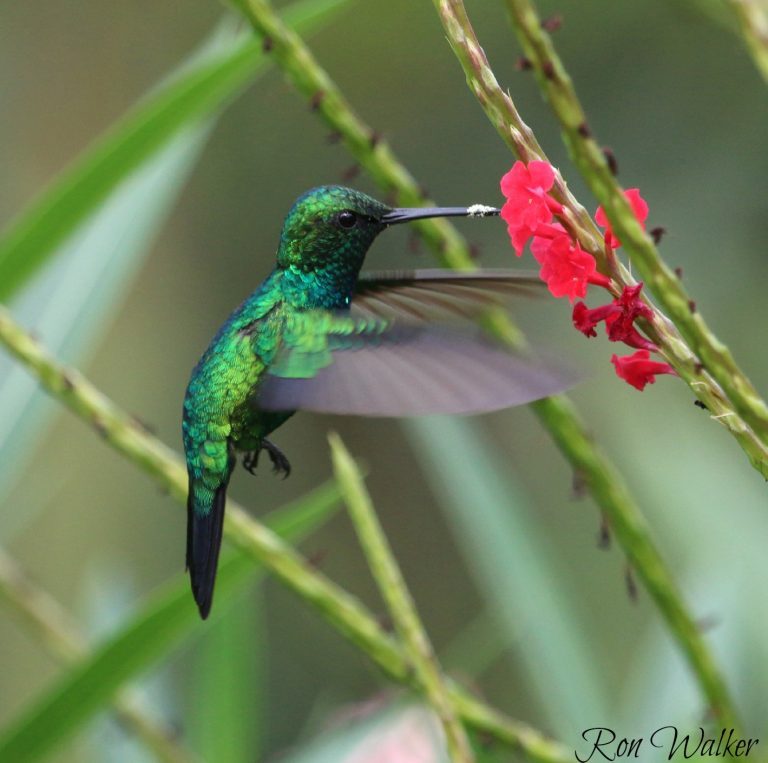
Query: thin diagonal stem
59	633
395	593
370	149
557	414
343	611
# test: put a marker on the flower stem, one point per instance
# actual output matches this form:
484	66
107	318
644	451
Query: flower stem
705	348
632	532
393	589
562	420
502	113
342	610
62	638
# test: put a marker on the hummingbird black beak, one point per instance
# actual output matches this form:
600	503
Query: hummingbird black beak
405	215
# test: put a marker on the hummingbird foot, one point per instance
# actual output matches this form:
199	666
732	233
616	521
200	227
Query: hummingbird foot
250	461
280	462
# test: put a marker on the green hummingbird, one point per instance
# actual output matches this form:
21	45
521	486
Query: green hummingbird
316	335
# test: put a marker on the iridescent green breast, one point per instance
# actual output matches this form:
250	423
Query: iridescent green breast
216	406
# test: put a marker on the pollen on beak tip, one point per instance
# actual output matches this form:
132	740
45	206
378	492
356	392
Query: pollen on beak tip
481	210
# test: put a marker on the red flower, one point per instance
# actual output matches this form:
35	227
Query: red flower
630	303
638	369
639	207
585	319
565	267
528	203
619	317
621	325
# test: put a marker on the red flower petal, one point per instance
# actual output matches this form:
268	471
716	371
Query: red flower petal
526	179
638	369
519	236
638	204
621	325
565	267
528	206
630	302
585	319
550	230
542	175
598	279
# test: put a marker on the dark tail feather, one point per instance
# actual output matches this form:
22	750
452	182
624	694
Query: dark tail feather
203	544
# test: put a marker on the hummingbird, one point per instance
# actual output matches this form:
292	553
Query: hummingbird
317	335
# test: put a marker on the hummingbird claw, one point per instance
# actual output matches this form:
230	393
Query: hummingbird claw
280	462
250	461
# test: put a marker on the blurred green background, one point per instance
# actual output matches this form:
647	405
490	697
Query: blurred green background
500	555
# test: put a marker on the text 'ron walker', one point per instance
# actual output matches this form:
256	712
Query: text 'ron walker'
603	744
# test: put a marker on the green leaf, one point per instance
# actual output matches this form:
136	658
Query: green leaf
169	616
227	688
184	101
70	302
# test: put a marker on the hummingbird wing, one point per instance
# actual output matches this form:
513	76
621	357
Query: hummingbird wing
372	367
437	295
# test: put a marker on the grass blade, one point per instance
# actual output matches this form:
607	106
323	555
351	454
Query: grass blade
166	619
185	100
228	685
70	302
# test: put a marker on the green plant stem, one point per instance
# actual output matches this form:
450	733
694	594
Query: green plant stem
625	518
753	24
343	611
62	638
663	283
633	533
502	113
397	597
162	621
557	414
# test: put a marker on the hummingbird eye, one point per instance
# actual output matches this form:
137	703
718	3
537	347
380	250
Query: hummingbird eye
346	219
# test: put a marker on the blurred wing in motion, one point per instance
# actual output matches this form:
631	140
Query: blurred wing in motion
438	295
410	370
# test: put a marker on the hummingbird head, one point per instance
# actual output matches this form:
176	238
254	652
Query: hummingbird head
330	228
